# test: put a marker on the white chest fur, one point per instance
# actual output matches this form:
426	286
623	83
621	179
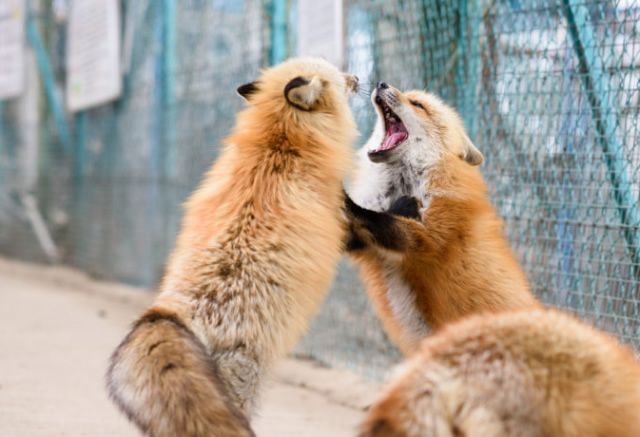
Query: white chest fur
377	185
402	302
369	186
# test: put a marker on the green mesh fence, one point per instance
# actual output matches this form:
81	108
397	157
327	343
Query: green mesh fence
549	92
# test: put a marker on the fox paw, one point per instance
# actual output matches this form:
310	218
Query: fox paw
406	206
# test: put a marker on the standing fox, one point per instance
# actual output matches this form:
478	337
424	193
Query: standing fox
429	243
257	251
516	374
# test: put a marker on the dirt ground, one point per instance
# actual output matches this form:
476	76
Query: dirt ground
57	329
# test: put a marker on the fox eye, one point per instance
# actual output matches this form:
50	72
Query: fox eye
417	104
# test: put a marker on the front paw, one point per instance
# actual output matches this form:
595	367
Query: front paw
353	241
406	206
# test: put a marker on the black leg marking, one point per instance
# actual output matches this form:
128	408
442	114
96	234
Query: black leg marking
380	225
354	243
406	206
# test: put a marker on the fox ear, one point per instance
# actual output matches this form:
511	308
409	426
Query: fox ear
247	90
304	93
471	154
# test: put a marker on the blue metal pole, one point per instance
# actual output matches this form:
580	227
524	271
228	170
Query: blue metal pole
48	80
473	68
279	47
168	84
80	140
461	50
2	138
468	71
1	127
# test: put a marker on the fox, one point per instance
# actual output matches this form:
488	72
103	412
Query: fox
257	250
529	373
428	242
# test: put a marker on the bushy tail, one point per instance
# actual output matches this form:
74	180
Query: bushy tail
162	378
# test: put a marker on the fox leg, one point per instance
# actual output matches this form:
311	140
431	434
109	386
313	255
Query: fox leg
241	371
392	230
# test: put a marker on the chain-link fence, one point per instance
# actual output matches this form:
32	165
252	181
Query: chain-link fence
549	91
109	181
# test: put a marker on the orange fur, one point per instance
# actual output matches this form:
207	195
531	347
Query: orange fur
259	243
529	374
458	261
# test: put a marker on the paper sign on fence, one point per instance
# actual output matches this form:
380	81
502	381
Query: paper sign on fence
93	53
321	30
12	24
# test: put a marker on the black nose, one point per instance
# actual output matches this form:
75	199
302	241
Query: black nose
382	85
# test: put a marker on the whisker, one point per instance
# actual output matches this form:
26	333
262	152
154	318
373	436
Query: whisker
365	88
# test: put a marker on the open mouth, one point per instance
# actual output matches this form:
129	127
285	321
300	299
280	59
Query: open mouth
395	131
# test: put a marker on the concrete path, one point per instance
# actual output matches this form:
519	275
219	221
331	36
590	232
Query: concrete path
57	329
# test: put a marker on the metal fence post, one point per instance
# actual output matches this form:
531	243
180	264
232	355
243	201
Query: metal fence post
1	132
278	50
461	54
468	70
168	86
48	80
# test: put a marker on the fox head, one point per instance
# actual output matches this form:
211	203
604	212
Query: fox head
417	127
310	92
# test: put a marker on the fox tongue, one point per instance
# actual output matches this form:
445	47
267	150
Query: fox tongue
395	134
391	139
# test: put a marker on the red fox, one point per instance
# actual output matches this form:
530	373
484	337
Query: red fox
537	373
429	244
259	244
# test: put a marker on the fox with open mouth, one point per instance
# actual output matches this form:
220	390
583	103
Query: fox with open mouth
429	243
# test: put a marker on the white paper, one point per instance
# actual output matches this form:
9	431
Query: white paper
12	24
93	53
321	30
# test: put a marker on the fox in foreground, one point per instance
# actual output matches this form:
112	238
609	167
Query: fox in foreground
429	244
259	243
538	373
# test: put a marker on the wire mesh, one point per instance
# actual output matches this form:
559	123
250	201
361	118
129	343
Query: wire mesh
113	200
549	91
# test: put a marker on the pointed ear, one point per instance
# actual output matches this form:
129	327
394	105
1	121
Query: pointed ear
247	90
304	93
471	154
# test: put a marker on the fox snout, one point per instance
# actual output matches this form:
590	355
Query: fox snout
385	94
